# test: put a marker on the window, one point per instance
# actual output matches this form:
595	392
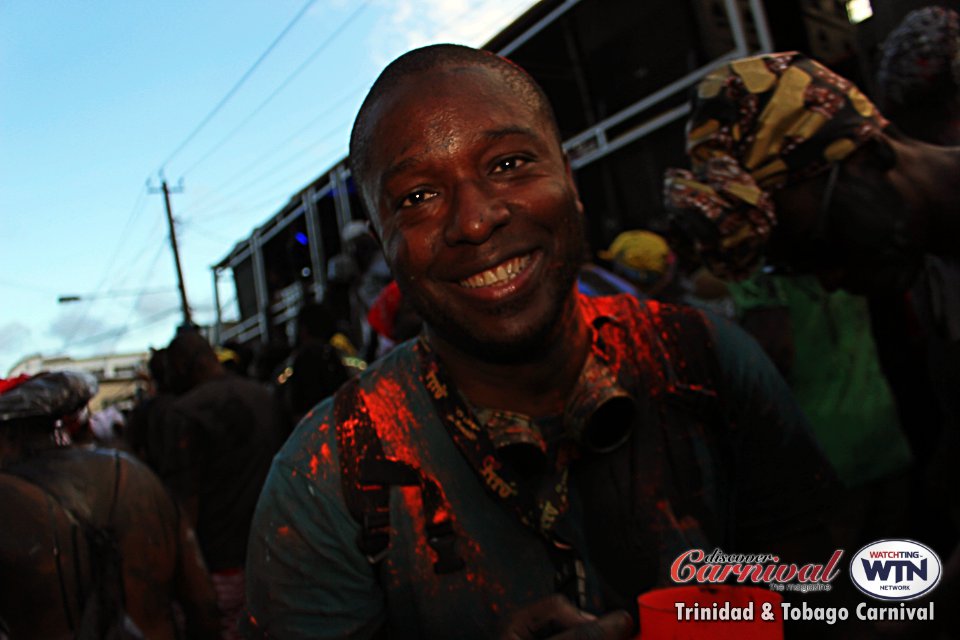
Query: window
858	10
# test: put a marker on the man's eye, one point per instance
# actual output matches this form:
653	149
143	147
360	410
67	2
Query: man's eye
509	164
415	198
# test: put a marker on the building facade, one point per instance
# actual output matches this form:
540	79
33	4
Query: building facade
119	375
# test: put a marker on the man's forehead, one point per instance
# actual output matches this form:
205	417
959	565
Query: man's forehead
442	81
438	105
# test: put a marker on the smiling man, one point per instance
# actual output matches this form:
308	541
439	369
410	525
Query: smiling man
536	458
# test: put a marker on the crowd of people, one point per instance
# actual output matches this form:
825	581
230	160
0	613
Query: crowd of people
485	429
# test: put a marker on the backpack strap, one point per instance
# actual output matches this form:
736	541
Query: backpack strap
102	607
366	475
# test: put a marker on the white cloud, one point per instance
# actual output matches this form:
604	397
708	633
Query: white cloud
79	326
409	24
150	305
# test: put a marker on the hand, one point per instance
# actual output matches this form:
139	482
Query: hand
556	618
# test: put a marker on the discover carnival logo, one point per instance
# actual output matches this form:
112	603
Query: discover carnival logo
895	569
718	567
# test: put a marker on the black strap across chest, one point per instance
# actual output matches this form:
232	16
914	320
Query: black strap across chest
366	477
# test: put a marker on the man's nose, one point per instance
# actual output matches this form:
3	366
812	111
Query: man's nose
476	212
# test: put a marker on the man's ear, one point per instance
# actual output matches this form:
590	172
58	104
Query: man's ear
573	183
373	231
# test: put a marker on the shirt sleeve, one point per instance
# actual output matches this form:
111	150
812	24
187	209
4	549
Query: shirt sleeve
783	480
306	577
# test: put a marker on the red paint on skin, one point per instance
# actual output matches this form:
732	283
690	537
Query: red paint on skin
284	530
325	453
314	465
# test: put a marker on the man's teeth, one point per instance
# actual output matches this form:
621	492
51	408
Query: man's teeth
501	273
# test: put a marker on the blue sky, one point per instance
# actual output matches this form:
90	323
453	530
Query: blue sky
97	96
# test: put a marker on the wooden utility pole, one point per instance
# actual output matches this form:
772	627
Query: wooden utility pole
165	190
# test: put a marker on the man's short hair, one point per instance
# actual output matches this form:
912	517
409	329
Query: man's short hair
432	57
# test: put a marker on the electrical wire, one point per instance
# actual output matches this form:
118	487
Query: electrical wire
301	155
84	314
282	145
283	85
237	86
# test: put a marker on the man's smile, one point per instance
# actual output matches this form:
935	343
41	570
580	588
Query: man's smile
503	272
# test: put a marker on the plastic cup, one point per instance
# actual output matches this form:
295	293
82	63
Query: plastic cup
660	620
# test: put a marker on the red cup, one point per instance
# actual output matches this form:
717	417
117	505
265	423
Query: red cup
662	619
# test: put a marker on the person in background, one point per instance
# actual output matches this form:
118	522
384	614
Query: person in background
53	495
313	371
537	458
144	433
918	85
221	432
821	343
373	276
794	166
647	261
393	318
918	78
644	258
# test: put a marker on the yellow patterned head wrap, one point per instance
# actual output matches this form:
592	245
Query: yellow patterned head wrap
759	124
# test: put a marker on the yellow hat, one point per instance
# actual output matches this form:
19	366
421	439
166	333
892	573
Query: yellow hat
640	250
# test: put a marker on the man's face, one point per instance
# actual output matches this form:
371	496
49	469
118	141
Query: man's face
853	237
476	209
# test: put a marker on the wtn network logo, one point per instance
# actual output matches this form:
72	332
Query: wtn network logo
895	569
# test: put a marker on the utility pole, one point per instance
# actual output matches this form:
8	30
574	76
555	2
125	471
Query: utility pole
165	190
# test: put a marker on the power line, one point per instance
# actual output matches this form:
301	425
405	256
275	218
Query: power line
136	303
347	96
134	212
239	83
276	148
330	109
283	85
300	154
120	331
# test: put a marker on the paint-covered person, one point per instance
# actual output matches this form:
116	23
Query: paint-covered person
536	458
72	513
918	79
